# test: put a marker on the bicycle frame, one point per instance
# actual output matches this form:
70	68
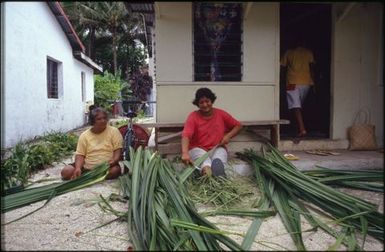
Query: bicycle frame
130	139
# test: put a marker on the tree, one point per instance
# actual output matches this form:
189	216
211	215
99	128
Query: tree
110	87
108	29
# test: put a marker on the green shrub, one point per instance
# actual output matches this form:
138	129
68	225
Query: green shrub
15	169
108	88
27	158
120	123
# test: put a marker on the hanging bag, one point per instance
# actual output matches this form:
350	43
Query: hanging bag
362	133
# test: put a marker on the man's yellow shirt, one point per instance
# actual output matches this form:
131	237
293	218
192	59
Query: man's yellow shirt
298	62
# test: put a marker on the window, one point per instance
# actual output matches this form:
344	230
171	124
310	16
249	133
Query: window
52	79
83	79
217	41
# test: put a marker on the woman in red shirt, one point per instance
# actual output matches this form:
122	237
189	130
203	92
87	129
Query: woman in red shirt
205	129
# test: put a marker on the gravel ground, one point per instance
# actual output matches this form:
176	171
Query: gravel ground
67	221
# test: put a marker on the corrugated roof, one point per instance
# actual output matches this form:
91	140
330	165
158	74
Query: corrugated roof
142	7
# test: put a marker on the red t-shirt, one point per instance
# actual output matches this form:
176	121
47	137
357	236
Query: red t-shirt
205	133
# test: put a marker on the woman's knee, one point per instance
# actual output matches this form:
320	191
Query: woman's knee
220	153
67	172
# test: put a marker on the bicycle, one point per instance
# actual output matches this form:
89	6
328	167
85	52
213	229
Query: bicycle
133	134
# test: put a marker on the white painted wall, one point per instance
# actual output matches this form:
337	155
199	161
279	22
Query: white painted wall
31	34
358	67
256	97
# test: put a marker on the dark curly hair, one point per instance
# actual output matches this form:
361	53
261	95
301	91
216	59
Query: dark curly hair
204	92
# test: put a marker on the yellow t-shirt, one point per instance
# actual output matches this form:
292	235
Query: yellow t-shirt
98	148
297	62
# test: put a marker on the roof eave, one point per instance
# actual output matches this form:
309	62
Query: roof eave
86	60
77	46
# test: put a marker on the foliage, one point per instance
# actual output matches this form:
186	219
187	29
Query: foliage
25	159
108	88
129	57
120	123
109	32
141	84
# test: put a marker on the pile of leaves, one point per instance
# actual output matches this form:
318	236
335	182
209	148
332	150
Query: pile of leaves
285	188
221	192
161	215
48	192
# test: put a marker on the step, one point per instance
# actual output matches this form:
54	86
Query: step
313	144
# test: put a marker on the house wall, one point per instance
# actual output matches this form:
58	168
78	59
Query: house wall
356	67
357	81
259	89
31	34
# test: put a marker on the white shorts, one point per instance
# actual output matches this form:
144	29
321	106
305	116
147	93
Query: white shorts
219	152
296	97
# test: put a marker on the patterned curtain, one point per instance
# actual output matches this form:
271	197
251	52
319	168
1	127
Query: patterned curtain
217	41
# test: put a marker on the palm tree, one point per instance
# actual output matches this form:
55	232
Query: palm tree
104	24
85	23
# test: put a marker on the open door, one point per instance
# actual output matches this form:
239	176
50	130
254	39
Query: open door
314	19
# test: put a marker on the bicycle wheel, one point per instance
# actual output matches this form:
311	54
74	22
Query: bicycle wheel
128	142
141	136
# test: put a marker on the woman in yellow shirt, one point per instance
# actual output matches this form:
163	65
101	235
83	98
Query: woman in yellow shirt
98	144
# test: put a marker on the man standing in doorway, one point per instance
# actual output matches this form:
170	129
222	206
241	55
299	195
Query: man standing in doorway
298	64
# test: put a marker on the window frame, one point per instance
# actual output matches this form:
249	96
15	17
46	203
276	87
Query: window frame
54	78
83	85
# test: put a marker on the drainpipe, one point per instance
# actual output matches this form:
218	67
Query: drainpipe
145	30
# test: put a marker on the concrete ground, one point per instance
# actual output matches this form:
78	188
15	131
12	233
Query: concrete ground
349	160
67	222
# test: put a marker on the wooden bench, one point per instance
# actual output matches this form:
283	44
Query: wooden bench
175	130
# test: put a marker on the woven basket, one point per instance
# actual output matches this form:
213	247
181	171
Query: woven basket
362	132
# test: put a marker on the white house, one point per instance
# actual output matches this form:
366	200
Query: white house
46	79
347	39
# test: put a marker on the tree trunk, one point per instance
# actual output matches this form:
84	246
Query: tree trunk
114	53
91	44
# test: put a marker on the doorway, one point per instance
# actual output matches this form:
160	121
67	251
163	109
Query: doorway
314	20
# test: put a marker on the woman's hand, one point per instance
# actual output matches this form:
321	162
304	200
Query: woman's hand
77	173
112	163
225	140
186	159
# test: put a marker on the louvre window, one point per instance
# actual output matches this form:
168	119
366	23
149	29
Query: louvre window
52	79
217	41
